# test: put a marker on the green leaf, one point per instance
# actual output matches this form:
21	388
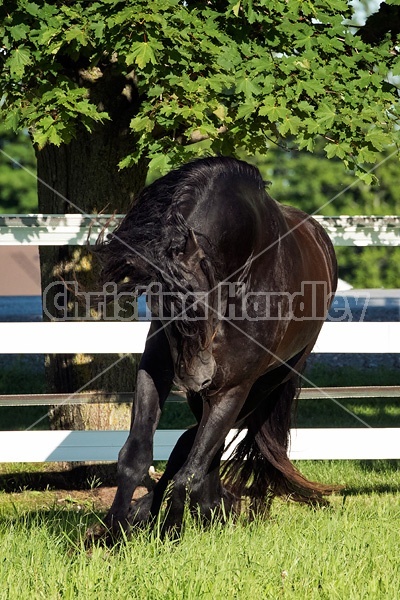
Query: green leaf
40	138
54	136
306	142
98	29
142	123
305	106
221	112
46	35
236	8
127	162
273	112
46	122
141	53
19	59
312	87
19	32
248	87
396	68
378	138
367	178
245	110
12	120
32	8
196	66
156	91
160	163
76	34
325	115
368	156
290	125
332	150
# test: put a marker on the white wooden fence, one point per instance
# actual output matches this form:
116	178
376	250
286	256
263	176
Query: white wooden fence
87	337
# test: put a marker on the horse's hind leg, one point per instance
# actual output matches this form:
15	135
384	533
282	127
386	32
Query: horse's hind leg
212	487
198	480
260	467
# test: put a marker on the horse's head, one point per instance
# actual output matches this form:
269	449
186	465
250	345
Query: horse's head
195	372
184	303
155	246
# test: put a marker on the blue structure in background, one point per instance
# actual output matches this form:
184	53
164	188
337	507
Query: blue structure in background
20	308
355	305
29	308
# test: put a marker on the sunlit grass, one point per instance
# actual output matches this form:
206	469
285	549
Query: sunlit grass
347	551
322	374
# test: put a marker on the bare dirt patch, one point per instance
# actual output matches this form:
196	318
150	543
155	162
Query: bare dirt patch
83	486
100	498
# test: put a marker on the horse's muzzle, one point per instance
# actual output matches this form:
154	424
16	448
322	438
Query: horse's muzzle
201	375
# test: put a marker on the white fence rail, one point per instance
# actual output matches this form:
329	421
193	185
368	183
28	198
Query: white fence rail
306	444
88	337
124	338
76	229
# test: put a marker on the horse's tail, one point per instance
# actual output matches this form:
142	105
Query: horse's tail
260	467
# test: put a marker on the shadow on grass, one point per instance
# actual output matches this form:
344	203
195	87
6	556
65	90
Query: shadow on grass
83	477
360	490
69	524
387	470
87	477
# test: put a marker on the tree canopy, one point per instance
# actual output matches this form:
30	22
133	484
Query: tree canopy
205	76
311	181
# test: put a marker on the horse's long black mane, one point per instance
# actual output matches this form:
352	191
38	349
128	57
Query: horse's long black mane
154	227
144	247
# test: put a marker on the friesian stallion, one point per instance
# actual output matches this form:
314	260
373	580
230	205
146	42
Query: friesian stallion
239	287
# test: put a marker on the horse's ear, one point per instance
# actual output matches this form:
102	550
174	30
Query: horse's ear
192	253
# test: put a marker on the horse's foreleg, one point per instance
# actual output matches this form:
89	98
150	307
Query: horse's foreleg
135	457
152	387
176	460
213	495
150	504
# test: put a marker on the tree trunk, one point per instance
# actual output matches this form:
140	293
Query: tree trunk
83	176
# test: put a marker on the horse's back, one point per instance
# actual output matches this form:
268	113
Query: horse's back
316	248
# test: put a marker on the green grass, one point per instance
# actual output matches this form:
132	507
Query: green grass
377	412
19	377
325	412
347	551
19	418
22	375
324	375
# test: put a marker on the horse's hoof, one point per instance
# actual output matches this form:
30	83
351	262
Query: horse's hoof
97	533
104	534
171	531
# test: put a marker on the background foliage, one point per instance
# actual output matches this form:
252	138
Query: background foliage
17	186
305	180
245	76
316	184
206	76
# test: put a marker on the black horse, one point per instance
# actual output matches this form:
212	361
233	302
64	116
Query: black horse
239	287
